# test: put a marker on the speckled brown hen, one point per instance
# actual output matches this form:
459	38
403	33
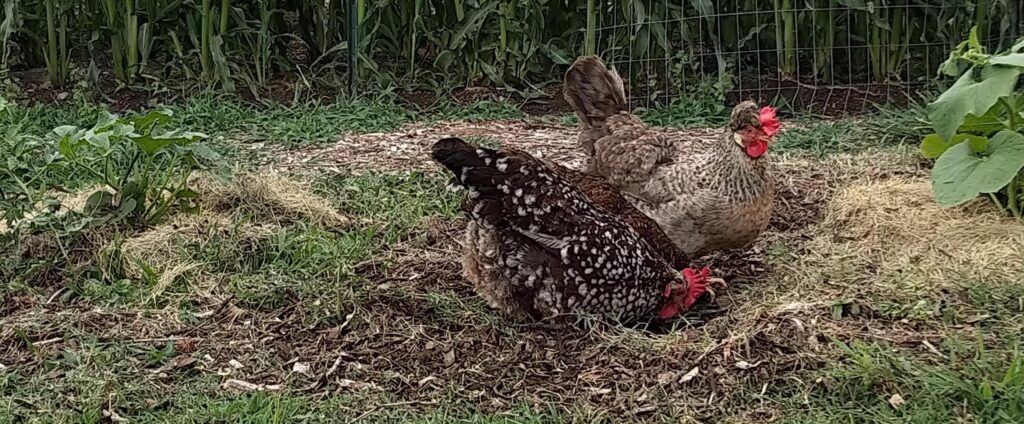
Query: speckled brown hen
706	195
537	246
610	199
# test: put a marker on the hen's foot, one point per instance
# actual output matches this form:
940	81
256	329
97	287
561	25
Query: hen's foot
714	281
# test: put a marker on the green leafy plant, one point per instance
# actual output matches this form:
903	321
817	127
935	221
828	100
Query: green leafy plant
977	121
146	168
142	169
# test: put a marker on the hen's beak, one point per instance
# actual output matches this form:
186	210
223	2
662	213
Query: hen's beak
738	139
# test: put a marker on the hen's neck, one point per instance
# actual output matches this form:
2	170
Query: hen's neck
733	173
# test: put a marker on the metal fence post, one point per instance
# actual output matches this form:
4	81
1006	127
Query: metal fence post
591	42
353	43
1014	10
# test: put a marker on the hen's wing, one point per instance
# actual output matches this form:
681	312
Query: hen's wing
614	202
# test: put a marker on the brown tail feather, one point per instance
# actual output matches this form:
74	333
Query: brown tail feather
594	91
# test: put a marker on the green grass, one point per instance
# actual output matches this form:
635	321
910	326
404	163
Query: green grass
304	124
687	112
971	384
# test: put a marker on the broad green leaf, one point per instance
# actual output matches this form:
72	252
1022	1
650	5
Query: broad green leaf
105	119
147	120
97	202
933	146
978	145
1017	47
1015	59
77	225
970	96
705	8
220	63
127	207
68	145
556	54
150	145
100	140
65	130
960	175
205	152
989	123
640	14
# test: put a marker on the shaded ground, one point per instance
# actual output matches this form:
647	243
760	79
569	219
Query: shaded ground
810	97
364	315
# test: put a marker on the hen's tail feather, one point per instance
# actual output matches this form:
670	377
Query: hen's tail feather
594	91
476	169
473	167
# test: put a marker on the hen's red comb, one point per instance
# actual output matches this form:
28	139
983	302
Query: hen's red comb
697	283
769	122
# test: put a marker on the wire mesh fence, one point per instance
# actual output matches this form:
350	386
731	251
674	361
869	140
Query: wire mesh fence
819	56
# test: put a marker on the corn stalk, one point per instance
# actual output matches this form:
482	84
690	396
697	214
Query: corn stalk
204	47
825	30
785	37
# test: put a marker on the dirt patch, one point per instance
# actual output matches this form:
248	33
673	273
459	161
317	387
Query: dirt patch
408	149
824	99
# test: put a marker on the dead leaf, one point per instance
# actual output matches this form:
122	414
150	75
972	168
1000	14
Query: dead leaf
186	345
667	377
355	385
690	375
449	358
300	368
183	361
744	365
235	364
113	416
334	366
896	401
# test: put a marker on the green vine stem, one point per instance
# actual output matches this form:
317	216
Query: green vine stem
1011	196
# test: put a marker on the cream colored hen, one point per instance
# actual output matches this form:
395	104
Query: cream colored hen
706	195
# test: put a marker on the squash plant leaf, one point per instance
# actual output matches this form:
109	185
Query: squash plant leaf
970	95
959	175
933	146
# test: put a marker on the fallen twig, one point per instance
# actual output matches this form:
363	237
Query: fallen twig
393	404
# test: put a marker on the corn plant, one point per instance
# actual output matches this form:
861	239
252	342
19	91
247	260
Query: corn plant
513	44
785	37
259	42
57	57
